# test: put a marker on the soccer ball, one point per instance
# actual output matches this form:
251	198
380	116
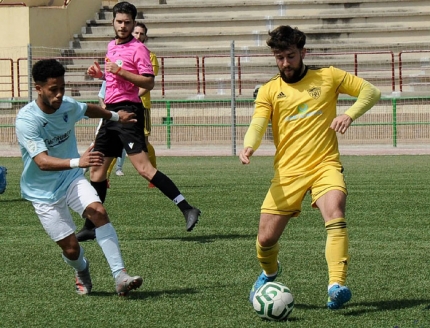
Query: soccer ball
273	301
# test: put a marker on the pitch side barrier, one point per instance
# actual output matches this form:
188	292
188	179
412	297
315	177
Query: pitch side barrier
392	121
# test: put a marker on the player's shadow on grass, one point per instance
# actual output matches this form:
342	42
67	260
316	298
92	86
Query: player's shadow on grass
391	305
136	294
13	200
206	239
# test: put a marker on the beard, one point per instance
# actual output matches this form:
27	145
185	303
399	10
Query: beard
124	36
296	76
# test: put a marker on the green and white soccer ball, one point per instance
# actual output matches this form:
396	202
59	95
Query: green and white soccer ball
273	301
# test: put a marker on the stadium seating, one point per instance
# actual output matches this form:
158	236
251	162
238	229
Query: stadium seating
196	28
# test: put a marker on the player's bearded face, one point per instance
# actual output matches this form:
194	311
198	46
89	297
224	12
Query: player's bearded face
123	25
290	63
50	94
140	34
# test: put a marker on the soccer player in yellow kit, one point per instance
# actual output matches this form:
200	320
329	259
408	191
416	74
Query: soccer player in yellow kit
301	102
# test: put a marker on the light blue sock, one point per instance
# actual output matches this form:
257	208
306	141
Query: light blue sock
108	241
120	161
80	264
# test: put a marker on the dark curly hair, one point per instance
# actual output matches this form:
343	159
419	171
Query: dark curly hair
125	7
284	37
47	68
141	25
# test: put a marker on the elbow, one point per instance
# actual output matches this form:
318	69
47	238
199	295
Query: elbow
378	94
43	166
151	85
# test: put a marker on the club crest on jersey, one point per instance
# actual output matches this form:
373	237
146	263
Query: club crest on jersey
315	92
65	117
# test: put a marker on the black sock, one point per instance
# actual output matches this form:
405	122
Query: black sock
101	188
168	188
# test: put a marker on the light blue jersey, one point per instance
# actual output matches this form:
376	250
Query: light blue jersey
102	91
55	133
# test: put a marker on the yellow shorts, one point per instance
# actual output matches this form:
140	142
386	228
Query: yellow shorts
286	194
147	122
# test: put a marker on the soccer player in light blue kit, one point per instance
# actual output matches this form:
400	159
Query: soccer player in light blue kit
53	180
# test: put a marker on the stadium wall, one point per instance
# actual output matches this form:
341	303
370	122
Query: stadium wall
47	26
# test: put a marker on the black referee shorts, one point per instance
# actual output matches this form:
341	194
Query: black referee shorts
114	136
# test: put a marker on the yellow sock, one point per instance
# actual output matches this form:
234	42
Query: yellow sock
336	250
151	155
111	166
268	257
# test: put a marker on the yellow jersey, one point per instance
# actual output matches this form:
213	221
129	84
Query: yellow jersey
301	114
146	98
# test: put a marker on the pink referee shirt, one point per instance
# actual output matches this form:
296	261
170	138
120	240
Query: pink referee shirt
132	56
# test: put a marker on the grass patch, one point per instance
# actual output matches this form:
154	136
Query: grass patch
202	278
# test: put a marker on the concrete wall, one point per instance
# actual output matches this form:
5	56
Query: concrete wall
44	25
41	23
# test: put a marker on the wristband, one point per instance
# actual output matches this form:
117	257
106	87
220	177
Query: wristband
115	116
117	70
74	163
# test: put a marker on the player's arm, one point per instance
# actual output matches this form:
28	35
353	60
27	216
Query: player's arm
142	81
143	91
253	138
366	99
102	103
95	111
50	163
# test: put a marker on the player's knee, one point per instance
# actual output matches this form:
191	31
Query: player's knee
97	214
71	251
267	240
147	171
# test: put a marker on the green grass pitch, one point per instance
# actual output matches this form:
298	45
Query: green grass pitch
202	278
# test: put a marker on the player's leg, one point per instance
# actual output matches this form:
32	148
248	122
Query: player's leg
332	202
58	224
120	164
101	185
134	135
151	151
83	199
270	230
110	169
147	129
3	181
143	166
107	142
282	202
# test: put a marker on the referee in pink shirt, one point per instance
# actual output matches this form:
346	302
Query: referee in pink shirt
128	67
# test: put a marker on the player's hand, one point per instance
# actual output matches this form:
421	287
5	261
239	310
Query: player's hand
91	158
126	117
95	70
341	123
245	154
111	67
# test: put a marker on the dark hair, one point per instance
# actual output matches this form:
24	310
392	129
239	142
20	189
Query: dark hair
125	8
47	68
284	37
141	25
